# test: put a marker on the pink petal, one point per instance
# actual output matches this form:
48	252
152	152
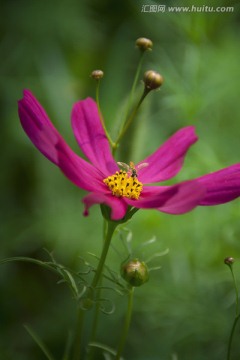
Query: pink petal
186	199
77	170
118	206
176	199
45	137
91	137
37	126
221	186
153	196
167	161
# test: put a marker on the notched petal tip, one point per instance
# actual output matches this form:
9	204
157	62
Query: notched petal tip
85	213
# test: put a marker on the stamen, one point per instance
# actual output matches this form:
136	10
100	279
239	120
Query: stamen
121	184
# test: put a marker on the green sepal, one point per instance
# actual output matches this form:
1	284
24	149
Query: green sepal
106	213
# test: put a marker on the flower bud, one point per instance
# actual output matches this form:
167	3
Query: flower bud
229	260
152	80
97	74
86	303
135	272
144	44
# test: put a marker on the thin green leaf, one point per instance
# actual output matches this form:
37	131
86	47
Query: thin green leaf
39	342
46	265
105	348
68	346
53	266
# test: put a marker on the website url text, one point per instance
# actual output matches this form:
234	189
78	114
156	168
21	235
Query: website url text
184	9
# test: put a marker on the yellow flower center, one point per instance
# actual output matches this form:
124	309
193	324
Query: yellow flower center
121	184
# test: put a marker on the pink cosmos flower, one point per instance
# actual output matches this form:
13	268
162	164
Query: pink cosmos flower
117	189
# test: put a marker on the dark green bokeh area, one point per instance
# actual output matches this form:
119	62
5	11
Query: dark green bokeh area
186	309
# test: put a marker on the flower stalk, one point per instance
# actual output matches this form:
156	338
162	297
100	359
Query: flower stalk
98	75
111	226
144	45
97	305
229	261
78	338
129	120
126	325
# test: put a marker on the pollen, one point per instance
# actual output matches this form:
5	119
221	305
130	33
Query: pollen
121	184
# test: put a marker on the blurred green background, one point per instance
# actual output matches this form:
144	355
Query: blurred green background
187	308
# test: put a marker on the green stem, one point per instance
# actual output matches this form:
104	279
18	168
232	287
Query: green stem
237	316
78	339
126	324
129	103
236	292
101	117
110	230
96	316
97	306
137	75
129	120
231	337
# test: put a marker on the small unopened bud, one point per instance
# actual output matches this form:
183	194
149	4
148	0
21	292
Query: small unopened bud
152	80
86	303
229	260
144	44
135	272
97	74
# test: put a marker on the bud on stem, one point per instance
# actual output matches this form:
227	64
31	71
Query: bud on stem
229	260
144	44
97	74
135	272
152	80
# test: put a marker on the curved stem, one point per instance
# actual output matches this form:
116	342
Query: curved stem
126	324
231	336
237	316
236	291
